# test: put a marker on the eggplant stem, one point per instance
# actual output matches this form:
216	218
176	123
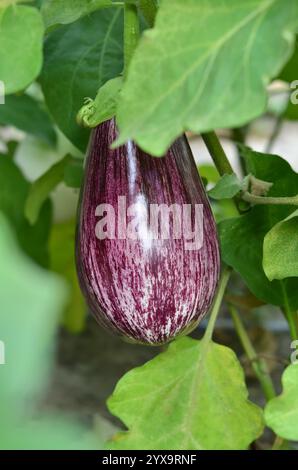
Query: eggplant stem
149	10
217	153
217	303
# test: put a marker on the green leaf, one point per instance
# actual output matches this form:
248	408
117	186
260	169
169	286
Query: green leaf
79	59
13	194
208	67
289	72
188	397
42	187
227	187
74	173
209	172
281	413
94	112
27	114
21	42
31	300
280	251
67	11
242	237
62	248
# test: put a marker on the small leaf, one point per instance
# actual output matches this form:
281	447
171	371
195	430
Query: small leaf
189	397
21	34
42	187
227	187
67	11
104	106
280	250
281	413
62	248
26	114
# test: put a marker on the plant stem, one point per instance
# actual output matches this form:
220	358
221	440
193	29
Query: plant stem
251	198
131	34
217	153
149	10
259	366
217	303
289	314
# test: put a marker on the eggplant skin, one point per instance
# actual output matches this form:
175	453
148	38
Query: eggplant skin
148	293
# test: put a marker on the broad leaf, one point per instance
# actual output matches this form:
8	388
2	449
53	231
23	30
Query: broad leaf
42	187
208	65
21	33
227	187
62	248
280	251
242	237
79	59
192	396
31	300
67	11
13	194
27	114
281	413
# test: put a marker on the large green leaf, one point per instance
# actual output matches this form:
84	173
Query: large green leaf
31	300
67	11
193	396
280	251
62	248
80	58
13	194
208	63
281	413
27	114
242	237
21	36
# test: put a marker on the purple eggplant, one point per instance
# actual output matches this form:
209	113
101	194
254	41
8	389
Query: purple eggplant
143	275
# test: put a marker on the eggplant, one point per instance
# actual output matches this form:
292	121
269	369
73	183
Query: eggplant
143	276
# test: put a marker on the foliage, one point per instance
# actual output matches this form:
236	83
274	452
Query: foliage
202	65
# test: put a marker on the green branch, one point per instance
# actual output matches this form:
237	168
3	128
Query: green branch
259	366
